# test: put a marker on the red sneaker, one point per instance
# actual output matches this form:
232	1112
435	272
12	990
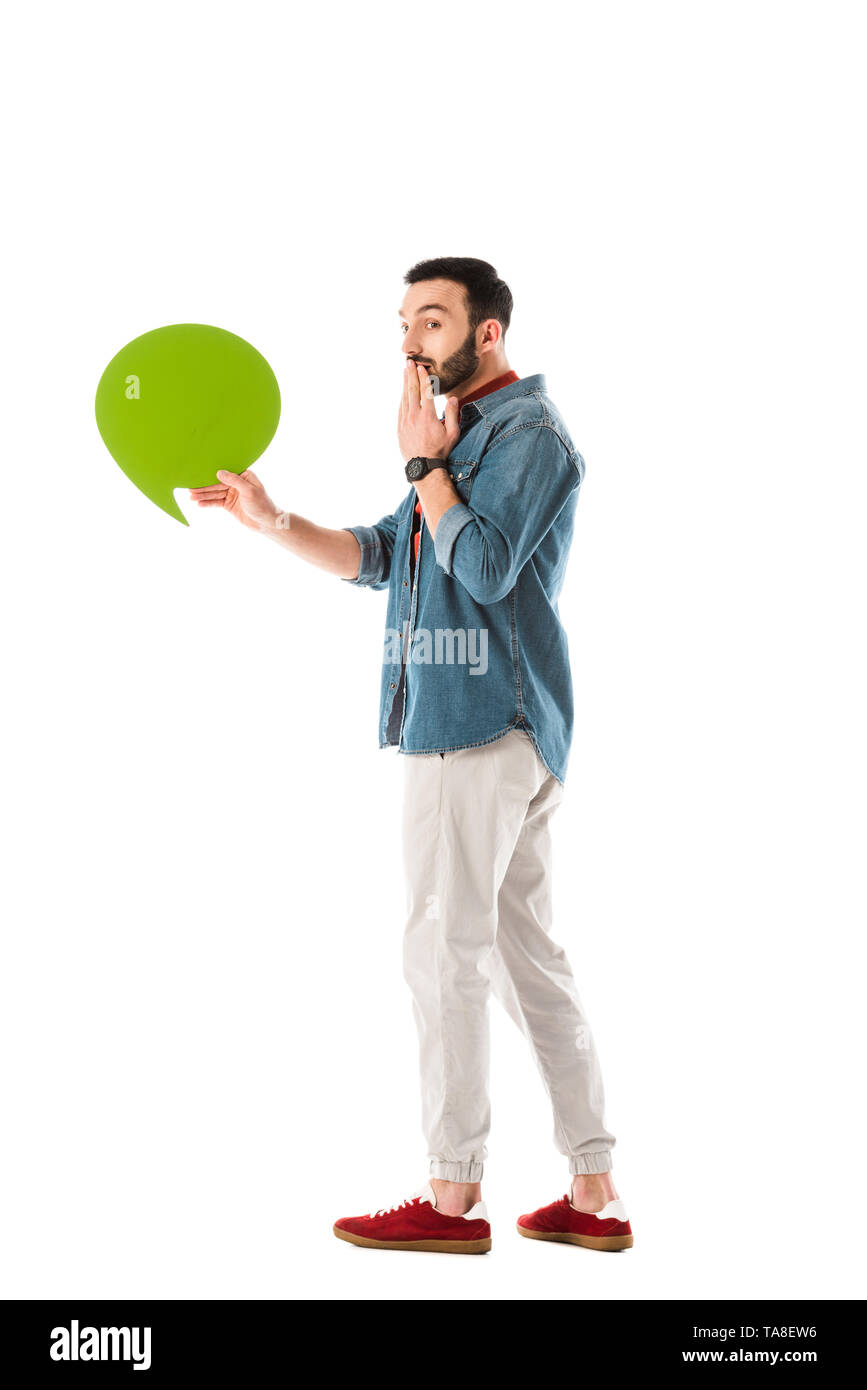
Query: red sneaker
416	1224
607	1229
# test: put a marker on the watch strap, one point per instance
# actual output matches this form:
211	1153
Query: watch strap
430	465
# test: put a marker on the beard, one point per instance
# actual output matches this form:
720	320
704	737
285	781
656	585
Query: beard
459	367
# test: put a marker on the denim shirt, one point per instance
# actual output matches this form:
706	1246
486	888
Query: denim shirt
477	632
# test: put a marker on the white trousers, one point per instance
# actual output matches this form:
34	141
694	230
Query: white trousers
477	856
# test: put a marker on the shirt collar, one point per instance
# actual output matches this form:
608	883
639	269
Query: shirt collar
493	396
494	385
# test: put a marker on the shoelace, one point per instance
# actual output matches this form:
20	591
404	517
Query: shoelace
386	1211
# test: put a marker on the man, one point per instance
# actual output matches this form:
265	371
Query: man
476	690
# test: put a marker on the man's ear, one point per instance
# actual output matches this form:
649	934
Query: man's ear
490	335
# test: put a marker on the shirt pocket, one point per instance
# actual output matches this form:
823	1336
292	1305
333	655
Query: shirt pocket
462	472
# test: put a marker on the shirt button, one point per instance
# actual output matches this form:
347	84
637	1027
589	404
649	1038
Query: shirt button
404	583
392	685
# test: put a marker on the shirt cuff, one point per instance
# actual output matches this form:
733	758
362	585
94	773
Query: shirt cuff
449	527
372	564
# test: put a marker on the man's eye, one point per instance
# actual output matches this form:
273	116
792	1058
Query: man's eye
431	323
403	328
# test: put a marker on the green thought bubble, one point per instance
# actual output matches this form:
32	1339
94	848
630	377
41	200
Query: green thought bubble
180	402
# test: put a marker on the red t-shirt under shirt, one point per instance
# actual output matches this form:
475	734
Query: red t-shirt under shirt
495	385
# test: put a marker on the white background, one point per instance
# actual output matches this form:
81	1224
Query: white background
208	1047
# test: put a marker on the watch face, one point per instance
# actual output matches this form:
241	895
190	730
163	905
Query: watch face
414	469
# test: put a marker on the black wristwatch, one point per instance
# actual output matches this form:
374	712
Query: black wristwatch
418	468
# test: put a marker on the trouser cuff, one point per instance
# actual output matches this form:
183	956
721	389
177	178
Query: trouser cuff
591	1163
471	1171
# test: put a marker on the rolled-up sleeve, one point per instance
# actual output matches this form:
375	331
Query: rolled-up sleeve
450	525
523	483
377	547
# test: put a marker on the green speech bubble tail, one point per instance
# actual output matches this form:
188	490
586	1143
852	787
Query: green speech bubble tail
168	504
162	497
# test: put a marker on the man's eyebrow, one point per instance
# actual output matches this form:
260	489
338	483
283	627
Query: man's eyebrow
424	308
